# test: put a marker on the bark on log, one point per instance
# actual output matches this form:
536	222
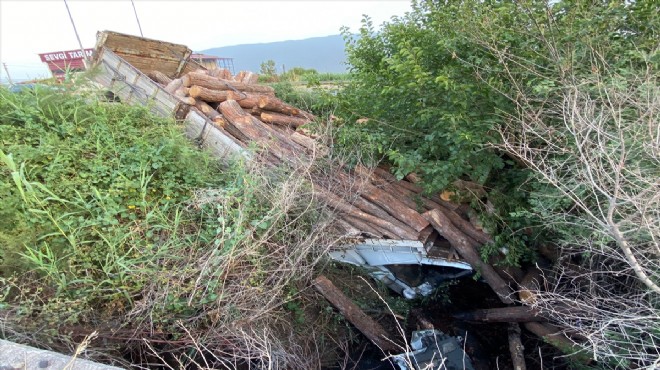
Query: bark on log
555	337
463	246
213	83
530	283
245	127
276	105
504	314
173	85
211	113
209	95
282	119
249	128
395	208
222	73
365	324
377	211
386	201
250	78
181	95
348	229
239	76
366	228
386	186
254	111
516	348
463	224
341	205
159	77
316	149
249	101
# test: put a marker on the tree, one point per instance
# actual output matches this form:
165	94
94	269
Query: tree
268	69
568	91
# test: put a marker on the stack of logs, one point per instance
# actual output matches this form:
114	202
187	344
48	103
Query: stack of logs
367	202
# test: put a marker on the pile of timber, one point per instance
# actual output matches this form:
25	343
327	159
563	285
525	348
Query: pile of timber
368	202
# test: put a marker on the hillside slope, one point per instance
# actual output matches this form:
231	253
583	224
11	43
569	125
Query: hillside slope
325	54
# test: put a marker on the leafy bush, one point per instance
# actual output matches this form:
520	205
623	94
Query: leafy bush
571	88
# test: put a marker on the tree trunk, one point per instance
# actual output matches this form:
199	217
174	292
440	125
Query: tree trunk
365	324
283	120
465	248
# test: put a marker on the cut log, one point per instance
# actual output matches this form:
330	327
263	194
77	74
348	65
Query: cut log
209	95
173	85
504	314
250	78
341	205
397	187
246	127
222	73
283	120
463	246
276	105
214	83
180	93
365	324
242	125
382	183
386	201
529	285
249	101
210	113
239	76
414	178
366	228
316	149
254	111
377	211
349	230
516	348
159	77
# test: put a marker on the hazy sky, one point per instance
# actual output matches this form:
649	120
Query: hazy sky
29	27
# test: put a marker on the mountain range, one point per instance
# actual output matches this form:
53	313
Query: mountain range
325	54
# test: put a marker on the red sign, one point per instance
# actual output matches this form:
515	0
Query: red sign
68	55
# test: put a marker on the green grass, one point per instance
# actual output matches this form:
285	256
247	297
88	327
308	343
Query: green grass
111	220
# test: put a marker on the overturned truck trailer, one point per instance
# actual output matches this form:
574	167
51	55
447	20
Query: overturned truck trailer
401	237
385	219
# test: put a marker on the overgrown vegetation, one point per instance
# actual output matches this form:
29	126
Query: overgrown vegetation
552	107
112	221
